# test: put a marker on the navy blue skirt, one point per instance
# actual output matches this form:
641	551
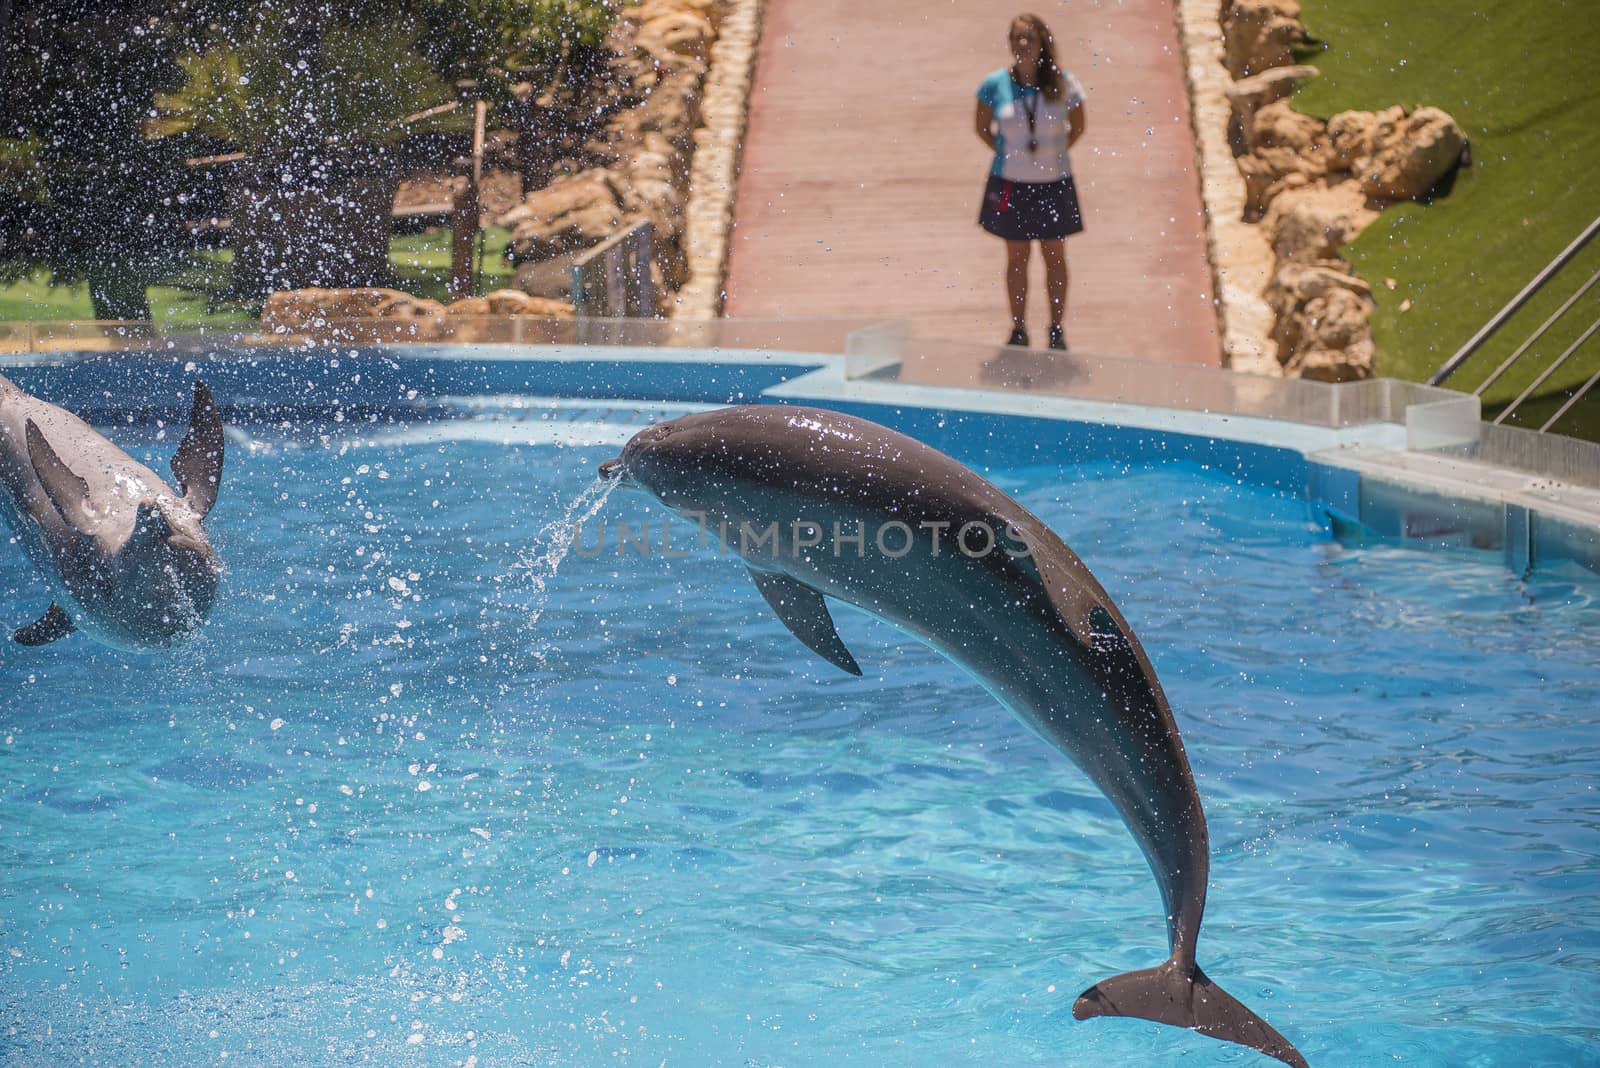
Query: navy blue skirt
1030	211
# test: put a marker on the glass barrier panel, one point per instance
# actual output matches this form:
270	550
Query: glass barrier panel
1566	459
1108	379
16	337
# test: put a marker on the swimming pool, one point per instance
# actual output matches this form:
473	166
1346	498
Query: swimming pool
416	796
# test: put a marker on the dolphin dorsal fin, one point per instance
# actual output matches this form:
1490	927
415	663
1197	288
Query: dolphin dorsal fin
805	612
52	626
197	464
66	491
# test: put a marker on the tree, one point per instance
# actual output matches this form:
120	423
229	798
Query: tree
82	190
316	97
102	103
315	106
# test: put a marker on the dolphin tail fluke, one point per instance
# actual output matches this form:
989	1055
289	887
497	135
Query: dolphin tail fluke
1184	997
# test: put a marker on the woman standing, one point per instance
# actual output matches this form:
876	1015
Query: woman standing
1030	114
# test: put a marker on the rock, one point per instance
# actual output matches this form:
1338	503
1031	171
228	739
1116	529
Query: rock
1322	328
672	109
1278	125
1311	224
1350	136
1295	284
1284	144
297	310
511	302
1315	186
1316	279
654	180
380	315
572	212
655	187
1334	365
1292	180
1410	154
1249	95
1270	172
507	315
1258	35
637	162
676	36
645	12
1336	320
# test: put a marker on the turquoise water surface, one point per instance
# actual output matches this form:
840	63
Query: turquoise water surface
417	796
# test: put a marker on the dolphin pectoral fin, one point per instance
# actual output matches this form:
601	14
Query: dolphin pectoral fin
805	612
1184	997
68	493
51	626
197	464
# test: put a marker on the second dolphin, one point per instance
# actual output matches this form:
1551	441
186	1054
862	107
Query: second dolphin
126	554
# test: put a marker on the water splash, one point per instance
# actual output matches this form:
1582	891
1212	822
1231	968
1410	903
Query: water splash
552	544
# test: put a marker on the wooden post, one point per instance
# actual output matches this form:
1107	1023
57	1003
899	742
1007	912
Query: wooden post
464	211
480	112
463	224
644	283
616	282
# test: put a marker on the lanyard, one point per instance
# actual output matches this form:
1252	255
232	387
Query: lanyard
1030	108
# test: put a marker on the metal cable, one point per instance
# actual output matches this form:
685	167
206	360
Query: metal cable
1537	334
1548	371
1570	402
1499	318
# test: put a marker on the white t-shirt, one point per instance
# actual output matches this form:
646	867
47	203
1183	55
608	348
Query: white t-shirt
1011	103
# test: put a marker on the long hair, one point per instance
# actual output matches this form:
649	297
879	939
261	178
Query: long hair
1051	82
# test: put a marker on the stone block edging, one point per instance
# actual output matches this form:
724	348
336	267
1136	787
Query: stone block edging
1241	259
714	171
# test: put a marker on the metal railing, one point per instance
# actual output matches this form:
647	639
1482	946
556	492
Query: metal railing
1499	319
612	280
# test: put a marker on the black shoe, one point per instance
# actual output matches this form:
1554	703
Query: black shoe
1019	337
1058	339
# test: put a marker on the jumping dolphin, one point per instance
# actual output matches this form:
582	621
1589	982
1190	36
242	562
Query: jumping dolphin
827	505
127	555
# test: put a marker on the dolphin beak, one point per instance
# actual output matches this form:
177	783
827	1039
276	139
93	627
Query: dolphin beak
611	471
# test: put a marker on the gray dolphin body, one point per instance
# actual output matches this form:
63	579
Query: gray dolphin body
1025	618
126	554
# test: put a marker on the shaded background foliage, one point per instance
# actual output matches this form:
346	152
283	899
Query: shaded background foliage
107	103
85	191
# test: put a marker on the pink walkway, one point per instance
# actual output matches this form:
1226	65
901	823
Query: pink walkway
861	176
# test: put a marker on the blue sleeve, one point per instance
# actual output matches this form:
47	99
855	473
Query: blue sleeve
1074	93
989	91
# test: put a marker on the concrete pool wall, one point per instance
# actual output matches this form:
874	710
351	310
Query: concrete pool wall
1379	458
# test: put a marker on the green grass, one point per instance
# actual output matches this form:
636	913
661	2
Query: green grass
191	291
421	262
35	298
1517	77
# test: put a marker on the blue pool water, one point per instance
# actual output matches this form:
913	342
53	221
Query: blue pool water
415	799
